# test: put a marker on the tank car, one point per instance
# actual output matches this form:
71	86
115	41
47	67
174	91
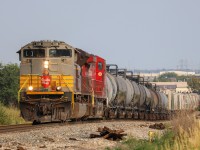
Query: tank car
129	98
182	101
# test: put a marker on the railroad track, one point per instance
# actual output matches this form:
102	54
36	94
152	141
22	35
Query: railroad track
28	126
17	128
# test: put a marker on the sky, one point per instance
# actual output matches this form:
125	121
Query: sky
134	34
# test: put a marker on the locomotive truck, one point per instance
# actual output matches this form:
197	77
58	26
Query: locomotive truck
59	82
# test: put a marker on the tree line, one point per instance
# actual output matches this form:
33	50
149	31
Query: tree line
9	83
192	81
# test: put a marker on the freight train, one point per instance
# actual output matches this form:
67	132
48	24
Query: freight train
59	82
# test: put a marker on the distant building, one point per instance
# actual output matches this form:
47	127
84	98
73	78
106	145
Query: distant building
173	86
179	73
151	76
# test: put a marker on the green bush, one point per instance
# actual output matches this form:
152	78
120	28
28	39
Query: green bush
9	84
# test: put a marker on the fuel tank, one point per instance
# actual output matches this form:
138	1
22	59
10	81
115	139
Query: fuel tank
111	88
122	90
148	96
136	96
163	101
142	95
154	99
130	92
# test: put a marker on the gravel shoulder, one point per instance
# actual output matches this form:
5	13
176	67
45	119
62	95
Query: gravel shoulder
72	137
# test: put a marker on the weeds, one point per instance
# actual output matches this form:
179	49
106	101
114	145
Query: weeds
184	135
135	144
184	120
3	115
9	115
187	130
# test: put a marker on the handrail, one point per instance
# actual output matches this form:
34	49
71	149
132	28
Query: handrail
18	97
92	92
92	97
70	89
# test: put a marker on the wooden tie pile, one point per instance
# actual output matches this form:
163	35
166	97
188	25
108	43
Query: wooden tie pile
159	126
109	134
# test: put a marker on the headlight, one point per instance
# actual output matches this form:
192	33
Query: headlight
30	88
46	64
58	88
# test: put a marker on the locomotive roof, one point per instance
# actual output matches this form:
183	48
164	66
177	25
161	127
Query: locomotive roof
46	43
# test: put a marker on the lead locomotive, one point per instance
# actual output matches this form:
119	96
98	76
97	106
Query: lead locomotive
59	82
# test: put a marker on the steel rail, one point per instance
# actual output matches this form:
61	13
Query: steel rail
29	126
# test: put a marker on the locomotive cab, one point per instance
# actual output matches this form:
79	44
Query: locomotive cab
55	59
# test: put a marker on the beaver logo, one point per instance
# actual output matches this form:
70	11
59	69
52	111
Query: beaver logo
100	74
45	81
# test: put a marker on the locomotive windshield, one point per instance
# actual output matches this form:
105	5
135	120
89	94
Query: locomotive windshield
34	53
60	53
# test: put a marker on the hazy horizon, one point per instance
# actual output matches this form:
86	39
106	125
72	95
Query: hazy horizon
132	34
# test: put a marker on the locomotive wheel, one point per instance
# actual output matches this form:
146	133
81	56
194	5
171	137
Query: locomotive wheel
146	116
106	114
132	115
141	115
157	117
151	117
116	114
35	122
165	117
168	117
136	115
162	116
124	114
154	116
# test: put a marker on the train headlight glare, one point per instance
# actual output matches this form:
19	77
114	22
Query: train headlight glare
58	88
30	88
46	64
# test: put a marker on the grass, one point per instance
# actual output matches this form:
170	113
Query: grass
187	130
182	134
135	144
9	115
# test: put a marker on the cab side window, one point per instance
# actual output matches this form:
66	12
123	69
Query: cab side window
100	66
